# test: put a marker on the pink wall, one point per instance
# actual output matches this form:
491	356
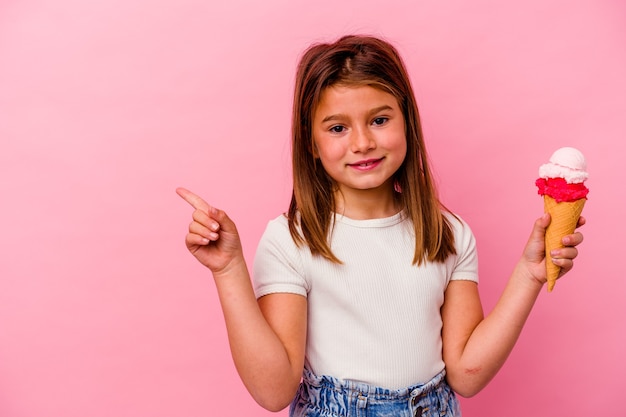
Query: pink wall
107	107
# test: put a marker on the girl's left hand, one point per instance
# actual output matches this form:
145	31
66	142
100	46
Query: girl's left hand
534	252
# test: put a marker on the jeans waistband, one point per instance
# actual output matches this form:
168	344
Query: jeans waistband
352	388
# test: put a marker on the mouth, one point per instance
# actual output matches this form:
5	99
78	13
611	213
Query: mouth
365	164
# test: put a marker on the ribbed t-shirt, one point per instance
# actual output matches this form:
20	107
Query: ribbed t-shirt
376	317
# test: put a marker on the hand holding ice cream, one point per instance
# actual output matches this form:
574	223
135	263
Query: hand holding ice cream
561	183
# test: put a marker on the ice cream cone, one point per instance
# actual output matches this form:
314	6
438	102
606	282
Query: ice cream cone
564	217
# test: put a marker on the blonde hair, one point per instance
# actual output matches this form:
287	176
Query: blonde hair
360	60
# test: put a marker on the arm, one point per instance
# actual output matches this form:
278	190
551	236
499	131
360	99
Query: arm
476	347
267	338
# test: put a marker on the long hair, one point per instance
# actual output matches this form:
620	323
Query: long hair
357	61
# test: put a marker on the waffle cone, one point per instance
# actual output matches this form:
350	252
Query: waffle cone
564	220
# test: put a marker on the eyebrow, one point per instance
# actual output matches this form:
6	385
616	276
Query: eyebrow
371	112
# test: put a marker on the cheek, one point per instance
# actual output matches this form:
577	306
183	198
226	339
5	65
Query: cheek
399	143
400	151
329	150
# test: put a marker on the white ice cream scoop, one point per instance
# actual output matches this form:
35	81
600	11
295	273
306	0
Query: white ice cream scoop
567	163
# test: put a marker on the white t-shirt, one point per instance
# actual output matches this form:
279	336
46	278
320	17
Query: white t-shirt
375	318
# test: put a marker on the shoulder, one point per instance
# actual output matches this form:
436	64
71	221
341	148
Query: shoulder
462	232
279	264
277	238
465	261
277	226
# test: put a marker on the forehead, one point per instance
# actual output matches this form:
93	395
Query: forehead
349	99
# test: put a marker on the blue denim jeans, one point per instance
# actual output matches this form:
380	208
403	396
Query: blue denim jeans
324	396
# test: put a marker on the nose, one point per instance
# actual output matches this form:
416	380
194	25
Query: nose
362	141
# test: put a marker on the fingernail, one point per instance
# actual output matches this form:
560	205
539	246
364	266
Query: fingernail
205	241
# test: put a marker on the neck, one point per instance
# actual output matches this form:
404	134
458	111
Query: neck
366	204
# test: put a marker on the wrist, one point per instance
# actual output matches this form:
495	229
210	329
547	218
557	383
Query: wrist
233	268
526	274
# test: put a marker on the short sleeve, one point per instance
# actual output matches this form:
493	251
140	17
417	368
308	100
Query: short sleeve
278	262
465	263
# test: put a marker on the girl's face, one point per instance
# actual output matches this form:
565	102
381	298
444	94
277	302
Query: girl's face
359	137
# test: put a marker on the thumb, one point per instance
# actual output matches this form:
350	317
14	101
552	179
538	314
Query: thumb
540	226
226	224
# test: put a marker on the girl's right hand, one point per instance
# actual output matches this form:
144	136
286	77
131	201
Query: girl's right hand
212	237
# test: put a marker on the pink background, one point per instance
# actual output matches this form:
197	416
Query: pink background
107	107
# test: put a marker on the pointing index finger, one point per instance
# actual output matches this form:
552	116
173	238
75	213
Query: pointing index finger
195	201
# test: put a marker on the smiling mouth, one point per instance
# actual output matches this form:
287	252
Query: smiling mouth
365	164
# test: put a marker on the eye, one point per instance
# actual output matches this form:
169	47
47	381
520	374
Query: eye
337	129
379	121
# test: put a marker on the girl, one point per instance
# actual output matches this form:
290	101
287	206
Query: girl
365	298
